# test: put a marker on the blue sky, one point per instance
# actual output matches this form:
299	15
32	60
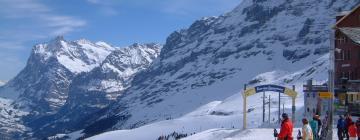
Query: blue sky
117	22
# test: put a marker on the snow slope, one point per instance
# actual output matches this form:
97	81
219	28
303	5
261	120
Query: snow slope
223	114
10	120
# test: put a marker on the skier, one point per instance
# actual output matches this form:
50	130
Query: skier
306	130
286	128
341	127
314	126
348	121
358	128
352	131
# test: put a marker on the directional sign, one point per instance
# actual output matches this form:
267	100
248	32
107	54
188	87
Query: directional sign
325	95
274	88
249	92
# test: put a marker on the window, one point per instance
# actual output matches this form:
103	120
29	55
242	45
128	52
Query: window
351	75
308	109
346	75
345	39
347	54
313	95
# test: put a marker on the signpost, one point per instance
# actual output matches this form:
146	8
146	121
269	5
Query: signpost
262	88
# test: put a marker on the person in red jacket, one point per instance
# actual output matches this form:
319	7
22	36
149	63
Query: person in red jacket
352	131
348	120
286	128
358	128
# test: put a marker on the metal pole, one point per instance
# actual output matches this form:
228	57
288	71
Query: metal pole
263	106
283	108
331	82
279	118
244	108
293	108
269	108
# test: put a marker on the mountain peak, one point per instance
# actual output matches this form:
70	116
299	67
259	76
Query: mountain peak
57	40
60	37
83	41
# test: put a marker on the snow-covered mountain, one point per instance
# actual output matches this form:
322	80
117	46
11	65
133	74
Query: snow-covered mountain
64	81
258	41
42	86
95	90
196	79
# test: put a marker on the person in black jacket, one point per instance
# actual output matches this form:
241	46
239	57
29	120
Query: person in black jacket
317	118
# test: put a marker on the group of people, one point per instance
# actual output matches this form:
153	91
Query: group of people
173	135
310	129
347	128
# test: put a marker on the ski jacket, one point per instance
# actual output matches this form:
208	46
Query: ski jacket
347	122
352	130
319	124
358	127
307	132
286	130
341	124
314	126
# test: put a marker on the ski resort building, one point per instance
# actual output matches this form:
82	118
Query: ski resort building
347	60
316	99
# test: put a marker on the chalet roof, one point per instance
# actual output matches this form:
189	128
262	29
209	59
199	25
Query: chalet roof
343	13
346	15
352	33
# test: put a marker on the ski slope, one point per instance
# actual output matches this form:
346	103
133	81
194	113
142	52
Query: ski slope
224	119
226	115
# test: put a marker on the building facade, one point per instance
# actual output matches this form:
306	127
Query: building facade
347	60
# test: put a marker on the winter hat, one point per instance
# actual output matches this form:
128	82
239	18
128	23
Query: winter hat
285	116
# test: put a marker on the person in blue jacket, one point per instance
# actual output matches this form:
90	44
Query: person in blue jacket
341	127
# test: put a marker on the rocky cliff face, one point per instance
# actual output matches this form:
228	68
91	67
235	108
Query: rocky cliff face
258	41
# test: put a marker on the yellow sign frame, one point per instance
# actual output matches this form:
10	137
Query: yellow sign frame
252	91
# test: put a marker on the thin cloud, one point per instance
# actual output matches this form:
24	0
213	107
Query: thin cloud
23	22
34	10
105	7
